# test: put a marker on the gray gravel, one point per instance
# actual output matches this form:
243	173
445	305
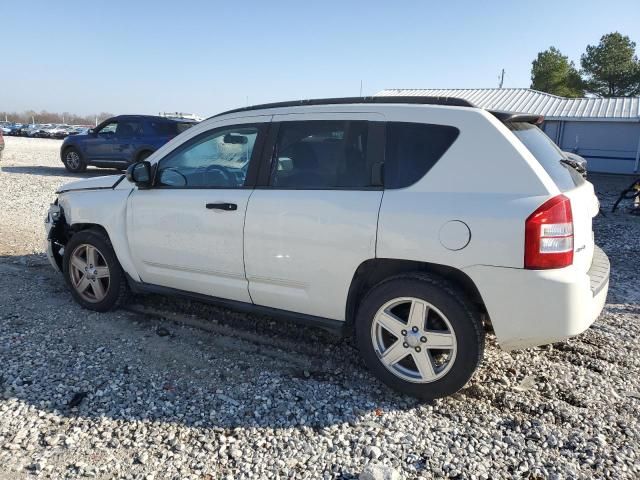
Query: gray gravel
176	389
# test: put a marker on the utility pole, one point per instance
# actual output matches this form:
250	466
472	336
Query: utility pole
361	88
501	79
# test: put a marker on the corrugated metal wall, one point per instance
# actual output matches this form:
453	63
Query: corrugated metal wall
609	147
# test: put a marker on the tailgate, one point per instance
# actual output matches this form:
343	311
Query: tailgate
584	203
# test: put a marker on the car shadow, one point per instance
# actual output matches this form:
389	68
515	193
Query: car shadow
59	171
191	363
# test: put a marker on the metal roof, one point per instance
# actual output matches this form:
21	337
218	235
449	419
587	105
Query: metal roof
531	101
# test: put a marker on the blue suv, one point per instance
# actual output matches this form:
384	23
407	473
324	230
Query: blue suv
120	141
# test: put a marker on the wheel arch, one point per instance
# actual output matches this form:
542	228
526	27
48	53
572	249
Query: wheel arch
65	149
372	271
62	232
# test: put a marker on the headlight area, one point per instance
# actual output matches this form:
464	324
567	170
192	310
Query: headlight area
57	233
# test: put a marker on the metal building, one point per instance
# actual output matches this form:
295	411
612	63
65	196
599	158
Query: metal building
606	131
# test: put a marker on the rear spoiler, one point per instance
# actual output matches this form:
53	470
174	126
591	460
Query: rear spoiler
505	117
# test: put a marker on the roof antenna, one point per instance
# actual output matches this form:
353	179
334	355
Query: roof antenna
501	79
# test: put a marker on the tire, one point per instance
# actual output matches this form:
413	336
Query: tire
452	323
101	288
73	160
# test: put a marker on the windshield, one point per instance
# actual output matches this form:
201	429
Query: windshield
548	155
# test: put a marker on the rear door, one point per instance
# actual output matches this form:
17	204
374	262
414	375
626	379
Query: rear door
312	220
129	135
584	203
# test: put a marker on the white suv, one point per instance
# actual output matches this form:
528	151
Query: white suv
409	223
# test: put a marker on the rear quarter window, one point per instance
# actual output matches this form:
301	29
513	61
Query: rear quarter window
412	149
547	153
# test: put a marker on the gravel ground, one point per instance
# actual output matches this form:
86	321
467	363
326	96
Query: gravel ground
176	389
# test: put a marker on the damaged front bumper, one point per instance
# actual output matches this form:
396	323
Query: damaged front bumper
55	225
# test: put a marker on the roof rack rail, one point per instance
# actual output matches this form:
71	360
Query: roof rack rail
449	101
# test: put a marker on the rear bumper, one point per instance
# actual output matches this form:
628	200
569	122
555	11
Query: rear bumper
536	307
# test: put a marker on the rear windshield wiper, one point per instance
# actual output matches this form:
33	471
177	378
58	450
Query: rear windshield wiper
575	165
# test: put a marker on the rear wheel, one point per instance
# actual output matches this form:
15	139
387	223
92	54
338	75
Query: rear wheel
93	272
419	335
73	160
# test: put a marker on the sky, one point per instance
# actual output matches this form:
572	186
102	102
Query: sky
208	56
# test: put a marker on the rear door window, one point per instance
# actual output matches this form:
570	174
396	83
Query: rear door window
413	149
547	153
129	128
322	154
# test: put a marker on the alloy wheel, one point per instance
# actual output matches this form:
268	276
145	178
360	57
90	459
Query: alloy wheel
414	340
89	273
73	160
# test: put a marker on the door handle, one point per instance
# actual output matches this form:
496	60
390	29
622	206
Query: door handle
222	206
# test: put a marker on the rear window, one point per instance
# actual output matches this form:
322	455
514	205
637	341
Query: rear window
413	149
547	153
171	128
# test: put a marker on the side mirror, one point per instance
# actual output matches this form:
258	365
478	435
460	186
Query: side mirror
91	131
140	174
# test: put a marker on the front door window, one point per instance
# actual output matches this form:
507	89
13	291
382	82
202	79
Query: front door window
219	159
108	130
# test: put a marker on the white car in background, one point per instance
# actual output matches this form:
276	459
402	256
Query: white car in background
410	223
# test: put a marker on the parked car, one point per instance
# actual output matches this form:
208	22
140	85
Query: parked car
1	145
408	222
23	131
78	130
38	130
14	129
119	141
59	131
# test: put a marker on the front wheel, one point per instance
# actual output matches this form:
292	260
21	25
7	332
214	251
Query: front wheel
93	272
419	335
73	160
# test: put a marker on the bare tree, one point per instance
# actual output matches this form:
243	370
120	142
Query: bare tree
29	116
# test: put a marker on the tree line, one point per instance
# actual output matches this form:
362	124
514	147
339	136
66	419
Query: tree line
31	116
609	69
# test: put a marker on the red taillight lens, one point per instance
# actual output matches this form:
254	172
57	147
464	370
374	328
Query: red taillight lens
548	238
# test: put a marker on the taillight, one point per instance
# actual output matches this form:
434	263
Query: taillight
548	238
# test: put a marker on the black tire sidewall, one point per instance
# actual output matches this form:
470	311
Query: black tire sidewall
466	325
81	168
117	280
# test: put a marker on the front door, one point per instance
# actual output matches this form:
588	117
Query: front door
186	232
99	145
